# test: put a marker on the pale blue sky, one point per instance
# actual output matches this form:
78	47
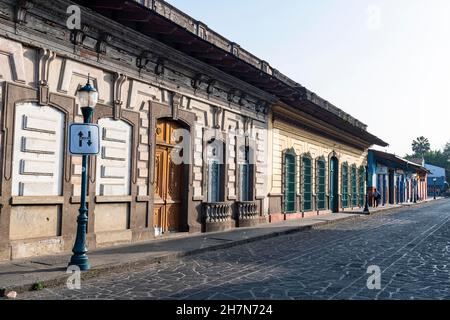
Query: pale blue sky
386	62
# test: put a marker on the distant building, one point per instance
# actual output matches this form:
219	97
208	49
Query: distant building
398	180
438	186
419	161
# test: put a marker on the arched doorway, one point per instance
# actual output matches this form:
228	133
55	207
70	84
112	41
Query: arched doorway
170	186
334	185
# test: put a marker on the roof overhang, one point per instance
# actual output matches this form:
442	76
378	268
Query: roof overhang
149	22
393	161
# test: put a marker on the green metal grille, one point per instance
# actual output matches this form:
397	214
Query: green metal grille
307	184
321	180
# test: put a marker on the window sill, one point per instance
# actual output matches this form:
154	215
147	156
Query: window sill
113	199
37	200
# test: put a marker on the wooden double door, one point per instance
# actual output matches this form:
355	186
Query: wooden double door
169	181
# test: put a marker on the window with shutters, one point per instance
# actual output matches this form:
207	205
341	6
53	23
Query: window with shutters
307	183
345	185
290	186
38	151
354	187
114	162
362	186
215	171
321	181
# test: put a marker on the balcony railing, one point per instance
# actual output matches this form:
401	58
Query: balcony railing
217	211
247	210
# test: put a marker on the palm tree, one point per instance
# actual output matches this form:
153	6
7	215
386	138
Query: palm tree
420	146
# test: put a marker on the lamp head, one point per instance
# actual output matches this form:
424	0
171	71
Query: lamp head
87	96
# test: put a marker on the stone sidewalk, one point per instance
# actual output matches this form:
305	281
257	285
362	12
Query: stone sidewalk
49	271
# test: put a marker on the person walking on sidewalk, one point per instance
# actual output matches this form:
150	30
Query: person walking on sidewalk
376	198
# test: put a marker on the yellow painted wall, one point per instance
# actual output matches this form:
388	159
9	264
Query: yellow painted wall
284	136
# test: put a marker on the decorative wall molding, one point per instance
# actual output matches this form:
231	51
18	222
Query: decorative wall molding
198	80
217	111
232	94
46	57
21	10
102	43
14	51
139	93
143	60
211	84
160	66
70	68
118	83
242	99
77	37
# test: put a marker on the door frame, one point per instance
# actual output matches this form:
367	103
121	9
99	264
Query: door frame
190	217
166	173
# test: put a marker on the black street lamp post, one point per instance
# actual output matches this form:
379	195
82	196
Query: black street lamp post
366	205
88	98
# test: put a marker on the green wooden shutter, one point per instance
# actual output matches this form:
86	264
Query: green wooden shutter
289	176
321	180
307	184
362	189
345	186
354	188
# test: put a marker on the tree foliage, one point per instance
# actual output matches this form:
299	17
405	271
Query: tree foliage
420	146
447	150
439	158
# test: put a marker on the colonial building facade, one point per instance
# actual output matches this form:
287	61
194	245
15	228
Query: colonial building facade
153	99
197	134
315	166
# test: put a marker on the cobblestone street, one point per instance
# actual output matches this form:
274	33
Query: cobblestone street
412	248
